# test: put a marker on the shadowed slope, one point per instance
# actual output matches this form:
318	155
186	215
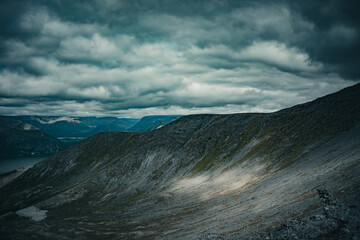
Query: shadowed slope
19	139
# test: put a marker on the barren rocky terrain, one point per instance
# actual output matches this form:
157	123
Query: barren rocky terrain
289	174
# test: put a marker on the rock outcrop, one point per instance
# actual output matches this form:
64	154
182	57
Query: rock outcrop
336	222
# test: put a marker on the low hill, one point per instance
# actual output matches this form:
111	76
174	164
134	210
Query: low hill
20	139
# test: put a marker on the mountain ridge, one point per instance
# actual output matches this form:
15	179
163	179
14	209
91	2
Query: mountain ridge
237	175
63	126
149	123
68	126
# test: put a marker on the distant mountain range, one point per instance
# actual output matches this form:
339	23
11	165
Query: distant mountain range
84	127
77	126
291	174
27	136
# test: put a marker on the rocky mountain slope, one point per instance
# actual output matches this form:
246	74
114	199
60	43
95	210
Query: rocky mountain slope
20	139
239	176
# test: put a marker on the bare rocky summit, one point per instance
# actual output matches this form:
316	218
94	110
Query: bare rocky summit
240	176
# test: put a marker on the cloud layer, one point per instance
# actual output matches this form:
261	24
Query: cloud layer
135	58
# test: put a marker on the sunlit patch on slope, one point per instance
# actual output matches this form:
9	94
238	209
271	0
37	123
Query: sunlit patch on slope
208	186
191	183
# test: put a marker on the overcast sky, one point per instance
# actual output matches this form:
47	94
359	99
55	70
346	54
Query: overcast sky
145	57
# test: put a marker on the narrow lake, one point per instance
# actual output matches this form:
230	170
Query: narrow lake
7	165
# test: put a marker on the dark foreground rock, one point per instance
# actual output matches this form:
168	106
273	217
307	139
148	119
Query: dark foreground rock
337	222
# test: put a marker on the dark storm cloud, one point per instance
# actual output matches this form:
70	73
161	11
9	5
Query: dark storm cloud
335	40
150	57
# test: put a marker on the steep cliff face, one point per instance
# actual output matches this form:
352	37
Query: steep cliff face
20	139
237	175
